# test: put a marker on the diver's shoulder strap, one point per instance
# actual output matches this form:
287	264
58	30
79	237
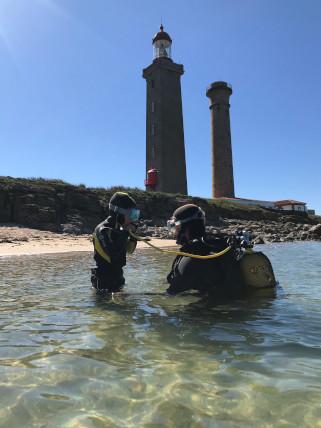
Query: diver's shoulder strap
100	244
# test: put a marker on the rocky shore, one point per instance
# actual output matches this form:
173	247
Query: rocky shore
262	232
59	207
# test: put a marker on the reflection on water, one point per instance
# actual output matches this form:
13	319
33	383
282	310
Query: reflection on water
71	358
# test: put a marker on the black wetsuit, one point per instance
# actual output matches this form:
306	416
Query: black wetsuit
219	276
115	243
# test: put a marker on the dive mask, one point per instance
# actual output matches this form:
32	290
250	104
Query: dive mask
132	213
173	222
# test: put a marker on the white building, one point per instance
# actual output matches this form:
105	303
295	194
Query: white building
291	205
253	202
286	205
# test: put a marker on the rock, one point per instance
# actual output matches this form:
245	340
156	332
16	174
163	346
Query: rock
305	227
275	238
6	241
316	230
291	236
212	230
258	240
147	222
268	229
288	238
70	228
304	236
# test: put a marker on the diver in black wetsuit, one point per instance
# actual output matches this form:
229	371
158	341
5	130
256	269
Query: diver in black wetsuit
112	241
217	276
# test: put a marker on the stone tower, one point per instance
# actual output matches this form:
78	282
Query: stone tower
165	150
222	163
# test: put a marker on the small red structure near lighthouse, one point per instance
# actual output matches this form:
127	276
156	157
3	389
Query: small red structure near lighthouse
152	178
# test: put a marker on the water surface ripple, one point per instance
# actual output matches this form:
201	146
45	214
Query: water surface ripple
70	358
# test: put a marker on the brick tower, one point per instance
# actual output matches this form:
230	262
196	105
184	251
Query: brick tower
222	163
165	150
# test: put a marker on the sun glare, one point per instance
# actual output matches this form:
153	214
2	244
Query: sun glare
17	14
5	18
52	6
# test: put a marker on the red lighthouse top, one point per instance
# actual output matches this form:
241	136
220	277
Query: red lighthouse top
162	35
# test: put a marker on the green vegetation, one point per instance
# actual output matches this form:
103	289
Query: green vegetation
33	182
153	204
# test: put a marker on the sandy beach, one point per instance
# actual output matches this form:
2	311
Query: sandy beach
16	240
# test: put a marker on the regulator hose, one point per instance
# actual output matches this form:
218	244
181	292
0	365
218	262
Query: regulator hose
180	253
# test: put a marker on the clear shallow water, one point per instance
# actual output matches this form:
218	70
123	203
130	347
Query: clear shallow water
70	358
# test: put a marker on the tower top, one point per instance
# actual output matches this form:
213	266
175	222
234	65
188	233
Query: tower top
162	35
219	92
162	44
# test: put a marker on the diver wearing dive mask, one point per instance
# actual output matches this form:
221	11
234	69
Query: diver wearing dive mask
218	276
112	241
189	214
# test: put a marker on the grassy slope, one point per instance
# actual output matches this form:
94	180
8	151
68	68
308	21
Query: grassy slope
223	208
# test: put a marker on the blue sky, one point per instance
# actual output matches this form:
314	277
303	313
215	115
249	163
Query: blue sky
72	99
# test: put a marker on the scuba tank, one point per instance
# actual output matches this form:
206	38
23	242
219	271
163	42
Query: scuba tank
255	268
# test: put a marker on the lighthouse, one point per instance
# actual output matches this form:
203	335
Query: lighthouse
165	149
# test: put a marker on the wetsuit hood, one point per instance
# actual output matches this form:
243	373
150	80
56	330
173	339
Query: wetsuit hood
188	217
122	204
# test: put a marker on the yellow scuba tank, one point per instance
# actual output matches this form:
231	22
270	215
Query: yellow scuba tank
256	270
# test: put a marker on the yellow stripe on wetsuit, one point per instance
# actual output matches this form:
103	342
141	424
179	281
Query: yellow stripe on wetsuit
100	249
